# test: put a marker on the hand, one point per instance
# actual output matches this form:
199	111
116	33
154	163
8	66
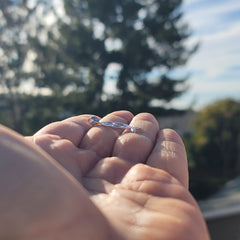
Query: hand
129	185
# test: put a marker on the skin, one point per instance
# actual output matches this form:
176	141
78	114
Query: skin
74	181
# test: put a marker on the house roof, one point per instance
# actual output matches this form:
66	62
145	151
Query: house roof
180	123
224	203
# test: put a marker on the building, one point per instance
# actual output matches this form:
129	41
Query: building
222	212
181	123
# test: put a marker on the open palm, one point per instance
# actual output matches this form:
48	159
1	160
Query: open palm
133	185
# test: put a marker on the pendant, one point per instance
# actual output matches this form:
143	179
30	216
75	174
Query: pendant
95	121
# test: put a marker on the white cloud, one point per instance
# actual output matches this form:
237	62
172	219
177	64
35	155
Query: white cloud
213	87
186	2
207	10
212	65
210	17
217	52
203	93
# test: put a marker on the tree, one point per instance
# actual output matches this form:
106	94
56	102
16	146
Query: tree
19	21
137	36
214	148
14	49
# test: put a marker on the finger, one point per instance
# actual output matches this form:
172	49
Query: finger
135	147
34	190
76	161
169	154
146	179
110	169
73	129
101	139
113	169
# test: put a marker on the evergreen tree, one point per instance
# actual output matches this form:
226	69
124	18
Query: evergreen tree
15	17
136	36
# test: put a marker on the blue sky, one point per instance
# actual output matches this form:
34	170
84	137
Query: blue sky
215	68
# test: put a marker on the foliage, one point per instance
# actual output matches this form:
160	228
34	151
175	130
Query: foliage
71	56
14	50
136	37
214	148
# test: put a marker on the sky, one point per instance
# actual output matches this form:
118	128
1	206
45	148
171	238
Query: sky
214	70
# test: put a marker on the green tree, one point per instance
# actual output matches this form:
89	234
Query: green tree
214	148
137	36
15	17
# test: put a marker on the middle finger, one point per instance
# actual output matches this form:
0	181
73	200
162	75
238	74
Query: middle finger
136	147
101	139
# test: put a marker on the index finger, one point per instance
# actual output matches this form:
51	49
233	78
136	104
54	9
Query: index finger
72	129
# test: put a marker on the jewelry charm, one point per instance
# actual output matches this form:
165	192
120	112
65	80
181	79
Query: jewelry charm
95	121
